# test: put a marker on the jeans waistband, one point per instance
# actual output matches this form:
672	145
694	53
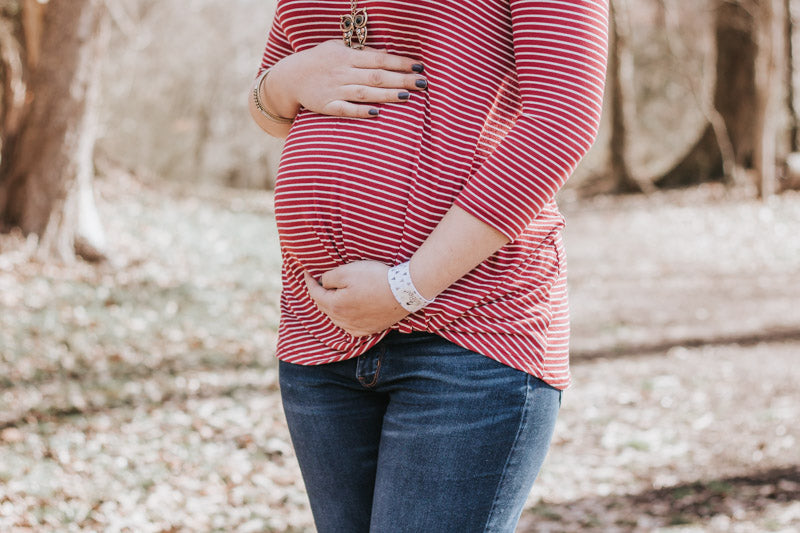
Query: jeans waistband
395	336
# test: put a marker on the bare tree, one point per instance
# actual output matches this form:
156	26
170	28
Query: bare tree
741	133
770	16
788	57
622	92
736	50
47	164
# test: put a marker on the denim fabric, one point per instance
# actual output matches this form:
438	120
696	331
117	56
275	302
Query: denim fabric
417	435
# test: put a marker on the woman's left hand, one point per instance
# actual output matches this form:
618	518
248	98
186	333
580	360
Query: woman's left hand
356	297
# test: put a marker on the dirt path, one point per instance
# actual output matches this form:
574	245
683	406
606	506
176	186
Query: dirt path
683	268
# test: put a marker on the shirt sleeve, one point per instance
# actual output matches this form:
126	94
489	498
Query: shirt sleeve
278	46
560	50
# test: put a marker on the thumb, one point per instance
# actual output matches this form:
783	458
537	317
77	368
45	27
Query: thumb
334	279
320	296
313	285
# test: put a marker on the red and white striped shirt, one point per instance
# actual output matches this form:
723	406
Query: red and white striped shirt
513	103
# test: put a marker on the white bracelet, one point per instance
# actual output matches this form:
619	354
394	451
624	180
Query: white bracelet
404	290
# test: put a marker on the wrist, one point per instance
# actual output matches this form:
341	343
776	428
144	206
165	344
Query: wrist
428	285
274	90
259	101
404	290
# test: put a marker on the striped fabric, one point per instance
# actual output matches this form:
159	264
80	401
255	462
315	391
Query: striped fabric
514	98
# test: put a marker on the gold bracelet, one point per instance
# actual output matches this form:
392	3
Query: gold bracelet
261	107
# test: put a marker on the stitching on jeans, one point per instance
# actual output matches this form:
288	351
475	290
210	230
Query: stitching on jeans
377	371
514	447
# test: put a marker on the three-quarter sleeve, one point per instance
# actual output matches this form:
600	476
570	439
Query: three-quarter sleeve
560	50
278	46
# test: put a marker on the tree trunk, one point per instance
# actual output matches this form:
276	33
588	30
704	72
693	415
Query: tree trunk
736	36
46	177
788	57
622	94
765	132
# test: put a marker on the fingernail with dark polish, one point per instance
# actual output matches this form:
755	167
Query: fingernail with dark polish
374	111
403	95
417	67
422	84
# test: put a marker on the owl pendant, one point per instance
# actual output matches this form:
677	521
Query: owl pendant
354	23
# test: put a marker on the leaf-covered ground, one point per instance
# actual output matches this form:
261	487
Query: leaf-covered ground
141	395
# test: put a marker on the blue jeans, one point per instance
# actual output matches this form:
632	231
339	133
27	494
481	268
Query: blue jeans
417	435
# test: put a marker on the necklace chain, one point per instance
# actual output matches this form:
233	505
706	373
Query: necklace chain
353	5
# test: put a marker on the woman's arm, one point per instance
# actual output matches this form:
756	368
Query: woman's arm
459	243
267	95
560	57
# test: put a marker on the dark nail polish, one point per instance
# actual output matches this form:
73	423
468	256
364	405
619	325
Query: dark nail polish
403	95
374	112
417	67
422	84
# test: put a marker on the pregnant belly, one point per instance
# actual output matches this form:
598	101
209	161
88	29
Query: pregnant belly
342	190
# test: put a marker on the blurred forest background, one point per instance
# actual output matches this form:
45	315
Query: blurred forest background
139	276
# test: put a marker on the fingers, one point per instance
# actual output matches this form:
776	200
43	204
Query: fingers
361	93
341	108
333	279
315	290
324	299
329	281
372	58
387	79
376	86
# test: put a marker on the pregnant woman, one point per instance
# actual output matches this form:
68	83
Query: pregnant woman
423	340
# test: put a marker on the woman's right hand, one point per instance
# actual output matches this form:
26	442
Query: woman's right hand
333	79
